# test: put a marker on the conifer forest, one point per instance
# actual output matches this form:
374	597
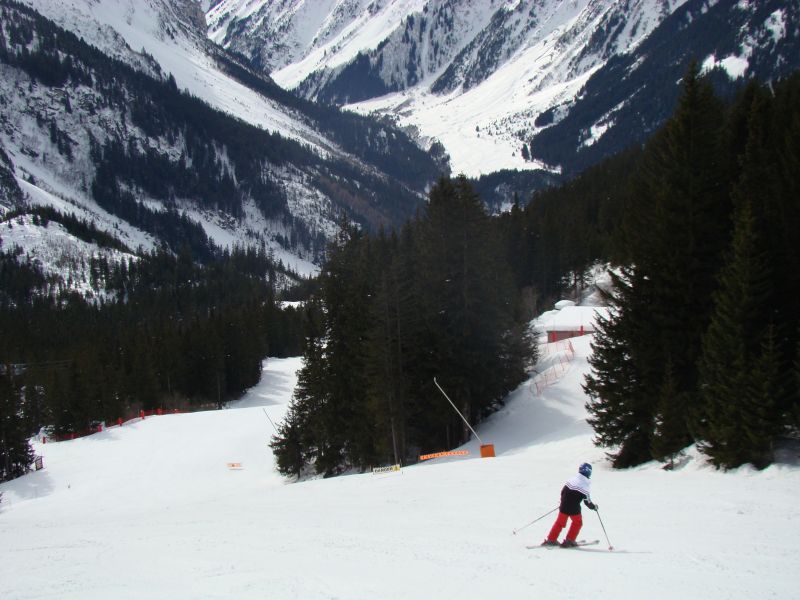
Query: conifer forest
702	345
699	225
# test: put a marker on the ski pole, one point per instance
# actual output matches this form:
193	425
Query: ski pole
534	521
610	547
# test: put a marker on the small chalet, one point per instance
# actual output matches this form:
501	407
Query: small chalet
569	321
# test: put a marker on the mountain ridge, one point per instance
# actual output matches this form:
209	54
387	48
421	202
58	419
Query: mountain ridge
86	127
488	80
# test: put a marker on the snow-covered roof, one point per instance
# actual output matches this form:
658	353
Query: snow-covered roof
572	318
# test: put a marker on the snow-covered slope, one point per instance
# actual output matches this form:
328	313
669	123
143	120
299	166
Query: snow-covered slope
473	75
277	169
59	254
627	99
485	78
157	37
530	58
171	32
304	35
151	509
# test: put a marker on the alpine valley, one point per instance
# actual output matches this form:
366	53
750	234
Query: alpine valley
260	122
551	85
327	298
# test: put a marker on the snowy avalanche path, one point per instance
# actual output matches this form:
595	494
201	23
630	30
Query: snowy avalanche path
150	510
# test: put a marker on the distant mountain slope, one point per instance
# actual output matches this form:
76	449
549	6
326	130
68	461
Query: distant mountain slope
472	75
631	95
179	142
10	194
487	78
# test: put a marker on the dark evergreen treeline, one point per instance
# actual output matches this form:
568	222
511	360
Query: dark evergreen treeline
173	228
173	334
500	188
553	240
392	312
19	282
80	228
16	455
705	335
10	194
703	346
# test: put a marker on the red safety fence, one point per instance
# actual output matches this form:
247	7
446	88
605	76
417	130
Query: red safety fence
559	355
118	423
551	348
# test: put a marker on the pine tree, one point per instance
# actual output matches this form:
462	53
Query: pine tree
782	147
468	303
291	454
301	437
793	414
669	435
385	346
676	232
743	391
329	423
412	350
767	390
732	349
16	455
682	230
346	293
620	412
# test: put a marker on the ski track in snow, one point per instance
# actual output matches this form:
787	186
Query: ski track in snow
150	510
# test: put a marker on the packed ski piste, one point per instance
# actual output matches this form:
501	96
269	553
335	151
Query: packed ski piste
191	506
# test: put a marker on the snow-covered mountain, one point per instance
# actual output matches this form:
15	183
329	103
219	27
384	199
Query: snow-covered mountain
545	86
100	117
486	78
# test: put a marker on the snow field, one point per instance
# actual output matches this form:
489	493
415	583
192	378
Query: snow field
150	510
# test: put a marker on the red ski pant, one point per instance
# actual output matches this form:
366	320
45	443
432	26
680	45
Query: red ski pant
561	521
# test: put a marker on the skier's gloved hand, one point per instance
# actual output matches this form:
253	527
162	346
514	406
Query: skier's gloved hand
590	505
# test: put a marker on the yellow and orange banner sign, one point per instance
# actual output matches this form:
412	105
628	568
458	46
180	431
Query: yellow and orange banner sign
440	454
388	469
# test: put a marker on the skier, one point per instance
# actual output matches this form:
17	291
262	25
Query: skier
574	491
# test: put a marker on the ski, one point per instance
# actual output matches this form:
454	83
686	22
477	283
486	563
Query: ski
579	543
586	543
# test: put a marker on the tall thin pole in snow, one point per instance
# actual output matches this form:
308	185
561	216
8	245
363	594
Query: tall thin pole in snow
270	420
455	409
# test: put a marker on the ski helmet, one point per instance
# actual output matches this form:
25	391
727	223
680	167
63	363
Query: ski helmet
585	469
